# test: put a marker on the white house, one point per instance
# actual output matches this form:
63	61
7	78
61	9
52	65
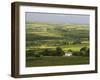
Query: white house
68	53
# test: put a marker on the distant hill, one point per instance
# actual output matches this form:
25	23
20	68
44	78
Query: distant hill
45	31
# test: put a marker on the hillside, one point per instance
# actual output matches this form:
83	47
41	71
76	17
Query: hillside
42	34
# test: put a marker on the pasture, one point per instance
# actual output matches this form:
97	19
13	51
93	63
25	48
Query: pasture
56	61
41	36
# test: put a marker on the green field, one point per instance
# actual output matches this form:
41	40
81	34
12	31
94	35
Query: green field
41	36
56	60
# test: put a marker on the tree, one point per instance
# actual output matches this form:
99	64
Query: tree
36	54
59	52
46	52
30	53
88	51
84	51
69	50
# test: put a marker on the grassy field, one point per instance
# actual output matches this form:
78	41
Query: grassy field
56	61
75	47
41	36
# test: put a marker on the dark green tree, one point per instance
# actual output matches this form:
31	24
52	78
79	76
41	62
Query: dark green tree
84	51
59	51
88	51
69	50
36	54
29	53
46	52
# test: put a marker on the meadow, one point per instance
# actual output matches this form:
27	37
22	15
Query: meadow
41	36
56	61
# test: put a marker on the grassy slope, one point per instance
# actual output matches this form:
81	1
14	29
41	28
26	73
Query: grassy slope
56	60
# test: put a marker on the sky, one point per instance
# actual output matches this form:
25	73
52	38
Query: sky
57	18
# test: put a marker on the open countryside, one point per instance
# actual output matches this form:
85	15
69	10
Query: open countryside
49	44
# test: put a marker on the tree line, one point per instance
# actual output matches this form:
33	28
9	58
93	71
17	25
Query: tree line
84	51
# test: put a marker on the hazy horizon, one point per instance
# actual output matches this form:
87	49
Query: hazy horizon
57	18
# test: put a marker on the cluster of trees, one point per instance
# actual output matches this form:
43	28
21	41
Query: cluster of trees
84	51
46	52
57	52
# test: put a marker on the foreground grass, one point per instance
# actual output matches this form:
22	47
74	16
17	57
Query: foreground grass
56	60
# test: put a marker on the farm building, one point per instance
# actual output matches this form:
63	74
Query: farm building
68	53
